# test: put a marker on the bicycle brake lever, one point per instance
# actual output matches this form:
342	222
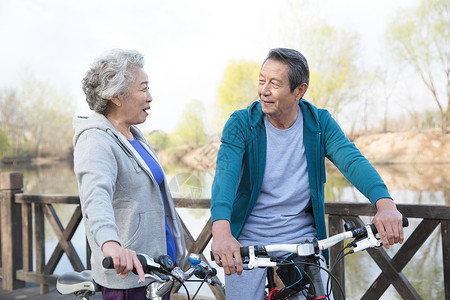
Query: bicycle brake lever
157	276
255	262
369	242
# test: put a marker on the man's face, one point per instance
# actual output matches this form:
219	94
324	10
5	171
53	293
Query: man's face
277	100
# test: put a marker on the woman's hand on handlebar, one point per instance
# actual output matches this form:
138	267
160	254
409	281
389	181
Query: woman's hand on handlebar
226	248
388	221
124	259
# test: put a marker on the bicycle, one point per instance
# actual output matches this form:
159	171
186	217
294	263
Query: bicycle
300	270
162	273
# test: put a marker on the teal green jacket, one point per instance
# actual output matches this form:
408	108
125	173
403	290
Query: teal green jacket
242	156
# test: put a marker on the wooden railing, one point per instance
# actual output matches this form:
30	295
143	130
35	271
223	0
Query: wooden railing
18	210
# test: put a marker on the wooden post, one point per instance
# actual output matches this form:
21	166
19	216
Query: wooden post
335	226
445	233
39	233
11	229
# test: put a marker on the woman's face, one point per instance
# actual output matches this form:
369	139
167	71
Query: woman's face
135	105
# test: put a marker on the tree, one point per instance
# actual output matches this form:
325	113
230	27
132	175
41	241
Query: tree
47	117
191	128
158	139
420	37
239	88
12	120
36	118
335	72
4	143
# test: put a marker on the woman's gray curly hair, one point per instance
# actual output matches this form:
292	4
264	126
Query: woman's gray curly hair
109	77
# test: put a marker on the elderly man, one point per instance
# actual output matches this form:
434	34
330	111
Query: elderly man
270	174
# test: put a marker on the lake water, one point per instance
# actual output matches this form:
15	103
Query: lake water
424	184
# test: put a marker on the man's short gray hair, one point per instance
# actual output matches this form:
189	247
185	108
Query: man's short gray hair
109	77
298	65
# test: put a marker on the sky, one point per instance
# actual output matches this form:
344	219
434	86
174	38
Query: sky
186	44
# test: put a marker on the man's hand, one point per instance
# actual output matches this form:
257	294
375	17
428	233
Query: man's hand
226	248
388	221
124	259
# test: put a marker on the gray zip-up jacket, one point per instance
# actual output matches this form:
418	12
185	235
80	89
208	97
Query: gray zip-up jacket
120	199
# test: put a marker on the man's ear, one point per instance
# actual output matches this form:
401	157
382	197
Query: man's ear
301	90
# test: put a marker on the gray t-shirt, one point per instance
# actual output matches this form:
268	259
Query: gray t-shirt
282	213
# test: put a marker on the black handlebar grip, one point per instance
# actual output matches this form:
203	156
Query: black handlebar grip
213	272
108	263
244	253
405	223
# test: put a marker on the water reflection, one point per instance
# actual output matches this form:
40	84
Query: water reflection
418	184
413	184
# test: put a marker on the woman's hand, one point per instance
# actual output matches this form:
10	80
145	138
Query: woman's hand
124	259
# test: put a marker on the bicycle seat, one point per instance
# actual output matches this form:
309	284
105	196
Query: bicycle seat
73	282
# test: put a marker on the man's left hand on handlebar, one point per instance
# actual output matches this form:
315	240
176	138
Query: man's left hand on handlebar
388	221
226	248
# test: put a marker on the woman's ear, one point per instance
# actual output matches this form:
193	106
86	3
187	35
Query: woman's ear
116	101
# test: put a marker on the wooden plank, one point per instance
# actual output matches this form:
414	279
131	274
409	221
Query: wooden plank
441	212
397	279
48	199
11	234
64	242
349	209
445	233
203	239
335	226
201	203
67	235
27	236
46	279
39	233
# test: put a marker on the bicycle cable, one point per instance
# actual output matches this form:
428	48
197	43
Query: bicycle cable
181	282
330	275
198	289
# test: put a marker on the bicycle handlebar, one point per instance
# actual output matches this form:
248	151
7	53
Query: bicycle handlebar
365	233
162	263
163	267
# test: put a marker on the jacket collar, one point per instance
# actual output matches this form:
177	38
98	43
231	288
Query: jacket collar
310	115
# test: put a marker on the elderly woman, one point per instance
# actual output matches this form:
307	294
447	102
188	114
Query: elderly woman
127	207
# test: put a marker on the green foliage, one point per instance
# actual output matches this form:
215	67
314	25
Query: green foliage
334	71
191	128
239	88
4	143
37	118
159	140
420	38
